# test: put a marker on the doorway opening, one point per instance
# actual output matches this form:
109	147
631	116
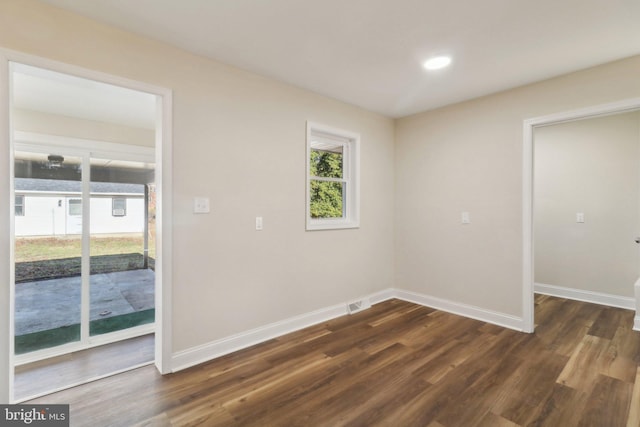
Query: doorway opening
579	217
87	267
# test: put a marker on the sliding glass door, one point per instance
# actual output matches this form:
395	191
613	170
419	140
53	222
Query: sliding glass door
48	249
122	278
84	247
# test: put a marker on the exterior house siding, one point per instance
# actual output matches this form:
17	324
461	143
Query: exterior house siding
47	212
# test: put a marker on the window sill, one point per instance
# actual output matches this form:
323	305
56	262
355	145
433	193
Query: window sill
314	225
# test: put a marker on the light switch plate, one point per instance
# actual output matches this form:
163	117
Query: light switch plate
258	223
201	205
466	218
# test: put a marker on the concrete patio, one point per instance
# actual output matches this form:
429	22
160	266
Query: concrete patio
49	304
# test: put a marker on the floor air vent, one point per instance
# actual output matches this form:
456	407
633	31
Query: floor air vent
356	306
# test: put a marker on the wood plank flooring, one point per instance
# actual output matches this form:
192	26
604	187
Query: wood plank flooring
45	376
396	364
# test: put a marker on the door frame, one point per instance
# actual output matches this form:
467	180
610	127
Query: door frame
529	126
163	155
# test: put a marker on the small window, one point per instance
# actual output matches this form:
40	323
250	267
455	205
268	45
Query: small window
19	205
75	207
119	206
332	178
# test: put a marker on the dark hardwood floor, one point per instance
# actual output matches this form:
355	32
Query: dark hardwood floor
396	364
42	377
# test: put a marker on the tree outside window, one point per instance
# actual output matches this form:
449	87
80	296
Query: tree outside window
327	197
332	178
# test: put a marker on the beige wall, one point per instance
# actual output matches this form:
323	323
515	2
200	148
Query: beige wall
468	157
240	139
590	166
51	124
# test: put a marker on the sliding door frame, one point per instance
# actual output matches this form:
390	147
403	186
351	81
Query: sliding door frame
85	150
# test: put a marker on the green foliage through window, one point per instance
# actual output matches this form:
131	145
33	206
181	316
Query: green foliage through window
326	197
325	164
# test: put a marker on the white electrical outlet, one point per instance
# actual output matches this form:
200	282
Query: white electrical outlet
201	205
259	225
580	217
466	218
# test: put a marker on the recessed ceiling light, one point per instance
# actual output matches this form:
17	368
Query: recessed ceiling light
437	62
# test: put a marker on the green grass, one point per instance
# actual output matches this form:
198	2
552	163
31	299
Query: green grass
47	248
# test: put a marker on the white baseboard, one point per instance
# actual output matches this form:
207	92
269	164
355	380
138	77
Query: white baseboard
381	296
473	312
628	303
636	321
203	353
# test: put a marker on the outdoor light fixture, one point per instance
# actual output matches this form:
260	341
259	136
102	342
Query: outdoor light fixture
437	62
55	161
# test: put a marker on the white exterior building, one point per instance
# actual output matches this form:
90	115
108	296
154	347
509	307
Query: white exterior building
54	208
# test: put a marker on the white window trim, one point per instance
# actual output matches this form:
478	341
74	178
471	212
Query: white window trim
351	171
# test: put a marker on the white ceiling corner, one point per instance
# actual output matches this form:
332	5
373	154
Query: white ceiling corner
369	52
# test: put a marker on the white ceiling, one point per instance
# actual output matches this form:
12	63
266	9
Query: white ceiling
369	52
55	93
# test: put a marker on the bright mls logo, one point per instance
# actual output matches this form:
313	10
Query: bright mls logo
34	415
